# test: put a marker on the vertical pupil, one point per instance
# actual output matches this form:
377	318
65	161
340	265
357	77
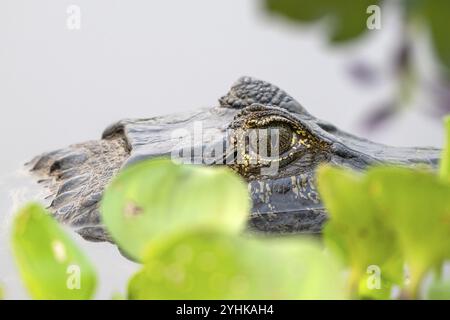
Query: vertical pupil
285	137
273	136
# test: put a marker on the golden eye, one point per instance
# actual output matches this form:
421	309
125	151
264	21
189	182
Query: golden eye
273	140
287	138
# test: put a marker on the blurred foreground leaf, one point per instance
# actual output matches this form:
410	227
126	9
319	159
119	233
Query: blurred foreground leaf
439	290
157	198
207	265
347	18
436	13
50	264
389	214
356	231
417	204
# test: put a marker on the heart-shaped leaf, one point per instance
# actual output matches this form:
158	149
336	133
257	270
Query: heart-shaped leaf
50	264
158	197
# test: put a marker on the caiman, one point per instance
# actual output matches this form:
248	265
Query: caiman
284	202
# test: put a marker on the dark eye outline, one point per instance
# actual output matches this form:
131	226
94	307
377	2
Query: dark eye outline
284	147
285	156
259	116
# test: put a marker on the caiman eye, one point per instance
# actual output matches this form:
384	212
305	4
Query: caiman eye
273	140
264	137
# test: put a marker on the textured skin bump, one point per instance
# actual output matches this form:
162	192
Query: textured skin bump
247	91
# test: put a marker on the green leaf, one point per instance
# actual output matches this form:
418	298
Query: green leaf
298	10
445	159
417	204
50	264
209	265
439	290
157	197
373	287
347	19
356	232
436	14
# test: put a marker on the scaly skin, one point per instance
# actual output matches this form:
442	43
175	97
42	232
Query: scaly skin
286	202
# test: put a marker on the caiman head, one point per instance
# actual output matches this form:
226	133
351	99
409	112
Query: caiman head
254	116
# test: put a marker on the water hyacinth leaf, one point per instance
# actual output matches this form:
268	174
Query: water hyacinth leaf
445	159
50	264
372	286
439	290
355	230
417	204
347	19
208	265
157	197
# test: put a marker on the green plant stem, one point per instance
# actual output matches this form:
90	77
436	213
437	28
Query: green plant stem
445	159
